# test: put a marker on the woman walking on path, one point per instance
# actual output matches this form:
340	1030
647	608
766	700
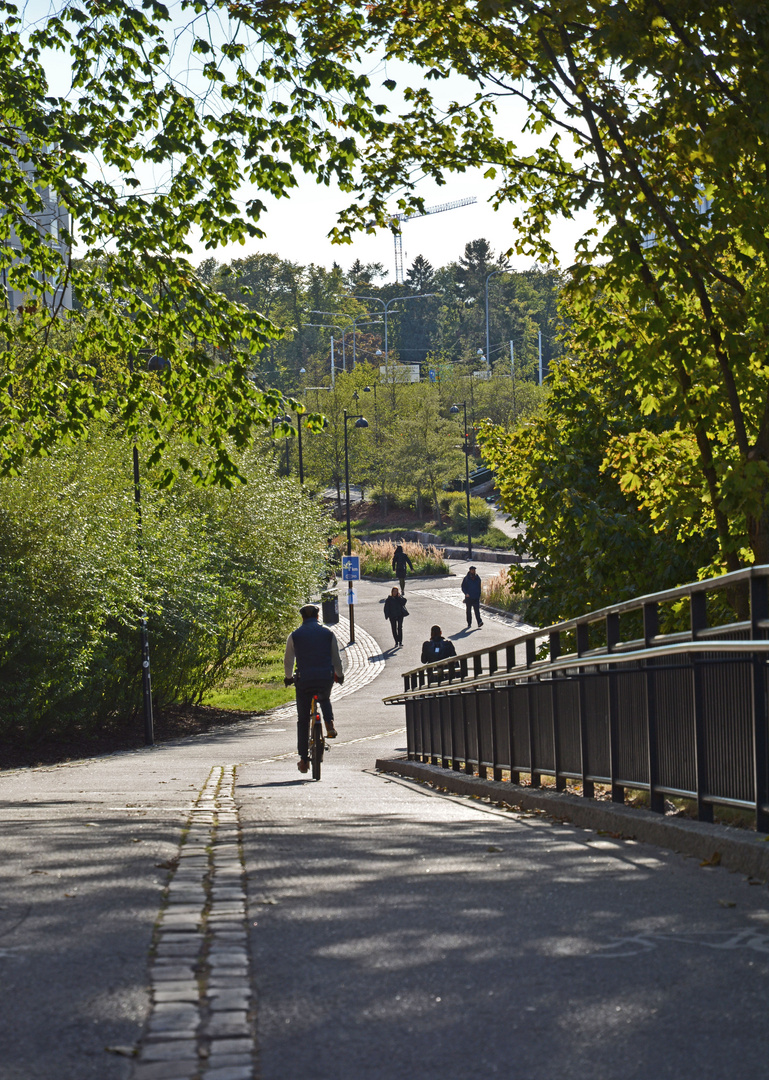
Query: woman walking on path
400	562
395	611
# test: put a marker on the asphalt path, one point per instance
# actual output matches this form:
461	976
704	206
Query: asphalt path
394	932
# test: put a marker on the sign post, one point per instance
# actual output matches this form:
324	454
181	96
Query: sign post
350	573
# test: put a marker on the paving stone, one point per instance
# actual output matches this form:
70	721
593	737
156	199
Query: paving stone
178	935
174	1050
161	973
230	1072
217	981
221	1061
181	1010
166	1070
233	1000
228	1023
192	994
179	986
173	948
166	1034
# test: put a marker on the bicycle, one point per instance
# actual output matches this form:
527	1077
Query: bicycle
317	739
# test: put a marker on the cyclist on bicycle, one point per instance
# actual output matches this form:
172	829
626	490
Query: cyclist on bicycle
315	651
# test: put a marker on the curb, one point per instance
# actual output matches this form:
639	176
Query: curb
748	854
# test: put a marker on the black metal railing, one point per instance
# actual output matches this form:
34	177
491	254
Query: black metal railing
636	701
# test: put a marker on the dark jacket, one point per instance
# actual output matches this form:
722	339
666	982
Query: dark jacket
312	648
471	587
400	562
437	649
395	607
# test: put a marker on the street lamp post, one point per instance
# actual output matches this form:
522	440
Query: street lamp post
332	326
360	422
158	364
299	446
385	308
466	447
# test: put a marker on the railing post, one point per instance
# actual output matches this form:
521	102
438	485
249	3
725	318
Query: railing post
759	610
651	629
468	764
531	656
555	652
515	776
612	639
698	619
583	644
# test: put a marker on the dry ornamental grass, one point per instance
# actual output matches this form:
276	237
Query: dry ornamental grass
376	558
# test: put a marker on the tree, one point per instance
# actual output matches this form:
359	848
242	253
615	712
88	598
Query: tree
426	449
586	542
655	116
253	99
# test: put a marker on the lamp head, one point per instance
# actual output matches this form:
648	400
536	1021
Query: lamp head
361	422
158	363
454	410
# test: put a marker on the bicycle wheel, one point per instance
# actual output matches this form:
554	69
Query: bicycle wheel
316	740
316	753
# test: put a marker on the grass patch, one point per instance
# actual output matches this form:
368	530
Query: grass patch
254	689
496	592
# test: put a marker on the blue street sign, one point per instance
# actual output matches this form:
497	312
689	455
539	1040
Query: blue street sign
351	568
432	374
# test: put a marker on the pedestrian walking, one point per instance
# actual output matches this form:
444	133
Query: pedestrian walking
437	647
400	562
471	589
395	611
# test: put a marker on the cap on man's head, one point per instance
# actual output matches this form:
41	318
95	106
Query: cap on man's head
472	568
435	631
309	611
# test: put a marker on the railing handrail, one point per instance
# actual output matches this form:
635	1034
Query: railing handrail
639	603
565	663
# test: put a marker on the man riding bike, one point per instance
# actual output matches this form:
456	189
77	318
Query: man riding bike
315	651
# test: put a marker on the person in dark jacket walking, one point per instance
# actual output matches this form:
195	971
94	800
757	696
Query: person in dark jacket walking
437	648
400	562
314	650
395	611
471	588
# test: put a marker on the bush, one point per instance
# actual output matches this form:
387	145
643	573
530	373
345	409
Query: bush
221	574
454	505
376	558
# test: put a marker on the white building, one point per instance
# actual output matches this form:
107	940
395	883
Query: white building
54	224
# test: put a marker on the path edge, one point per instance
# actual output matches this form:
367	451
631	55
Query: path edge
748	854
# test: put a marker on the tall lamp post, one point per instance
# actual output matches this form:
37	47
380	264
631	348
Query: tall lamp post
360	422
158	364
454	410
386	308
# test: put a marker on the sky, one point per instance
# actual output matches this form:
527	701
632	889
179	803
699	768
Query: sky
297	229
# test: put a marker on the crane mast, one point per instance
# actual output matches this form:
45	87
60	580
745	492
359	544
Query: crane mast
397	220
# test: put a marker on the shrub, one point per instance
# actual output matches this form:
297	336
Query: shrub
221	574
454	505
376	558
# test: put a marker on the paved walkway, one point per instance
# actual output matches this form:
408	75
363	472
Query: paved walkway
207	905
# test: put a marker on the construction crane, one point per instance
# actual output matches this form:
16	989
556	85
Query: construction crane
397	219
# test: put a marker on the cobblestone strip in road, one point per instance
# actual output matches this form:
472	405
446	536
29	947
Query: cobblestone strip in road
488	613
201	1025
